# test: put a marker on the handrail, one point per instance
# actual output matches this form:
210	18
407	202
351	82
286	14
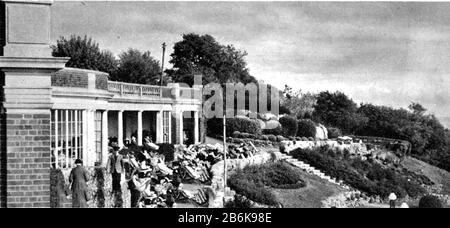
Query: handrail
137	89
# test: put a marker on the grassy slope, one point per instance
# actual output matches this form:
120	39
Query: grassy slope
437	175
310	196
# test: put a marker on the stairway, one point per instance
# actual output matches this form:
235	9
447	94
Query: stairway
310	169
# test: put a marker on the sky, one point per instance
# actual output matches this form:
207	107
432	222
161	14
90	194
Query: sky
384	53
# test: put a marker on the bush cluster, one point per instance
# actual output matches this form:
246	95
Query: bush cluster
368	177
252	181
430	201
306	128
289	125
334	133
237	124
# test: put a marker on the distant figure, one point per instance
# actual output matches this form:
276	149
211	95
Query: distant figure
78	179
392	199
115	167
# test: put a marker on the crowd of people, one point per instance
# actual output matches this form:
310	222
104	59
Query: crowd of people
154	182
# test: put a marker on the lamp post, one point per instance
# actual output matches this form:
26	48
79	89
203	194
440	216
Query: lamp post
162	62
224	154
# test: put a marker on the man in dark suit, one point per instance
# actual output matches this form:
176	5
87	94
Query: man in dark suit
114	166
78	179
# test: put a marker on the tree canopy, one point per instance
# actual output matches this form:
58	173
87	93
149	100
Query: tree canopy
338	110
202	54
137	67
84	53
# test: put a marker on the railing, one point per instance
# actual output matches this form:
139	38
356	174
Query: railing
123	88
176	92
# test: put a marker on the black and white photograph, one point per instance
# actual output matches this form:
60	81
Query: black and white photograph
230	105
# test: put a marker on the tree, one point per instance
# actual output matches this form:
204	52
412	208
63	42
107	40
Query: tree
337	110
300	105
138	67
84	53
197	54
417	108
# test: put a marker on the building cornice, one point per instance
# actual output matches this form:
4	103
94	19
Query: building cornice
20	63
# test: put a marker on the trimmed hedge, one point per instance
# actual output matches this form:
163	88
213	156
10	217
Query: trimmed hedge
430	201
334	133
251	182
274	131
306	128
289	125
242	125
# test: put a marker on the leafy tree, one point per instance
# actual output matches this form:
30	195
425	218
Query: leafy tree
138	67
84	53
202	54
300	105
337	110
417	108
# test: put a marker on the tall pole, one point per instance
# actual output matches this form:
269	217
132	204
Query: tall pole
162	62
224	153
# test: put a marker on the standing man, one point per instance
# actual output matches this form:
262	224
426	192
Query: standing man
392	199
114	166
78	178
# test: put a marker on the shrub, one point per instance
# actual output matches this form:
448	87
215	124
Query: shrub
236	134
243	125
280	138
251	190
310	139
251	182
245	135
272	138
379	181
304	139
289	125
430	201
238	202
274	131
306	128
264	137
334	133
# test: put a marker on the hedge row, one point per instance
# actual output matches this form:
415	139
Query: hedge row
215	126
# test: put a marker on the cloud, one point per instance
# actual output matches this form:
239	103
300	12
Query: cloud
386	53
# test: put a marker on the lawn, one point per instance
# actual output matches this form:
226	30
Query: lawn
256	182
311	196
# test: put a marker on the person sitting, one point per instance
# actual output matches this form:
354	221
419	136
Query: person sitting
149	145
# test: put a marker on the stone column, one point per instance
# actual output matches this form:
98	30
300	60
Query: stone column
104	137
139	128
120	128
196	128
159	127
26	65
181	132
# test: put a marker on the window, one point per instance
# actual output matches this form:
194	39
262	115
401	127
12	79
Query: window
98	136
166	127
66	137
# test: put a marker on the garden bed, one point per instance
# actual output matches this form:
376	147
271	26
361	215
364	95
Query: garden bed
254	181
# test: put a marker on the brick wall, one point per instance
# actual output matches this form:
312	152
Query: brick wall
2	160
2	145
28	160
2	27
70	78
101	81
